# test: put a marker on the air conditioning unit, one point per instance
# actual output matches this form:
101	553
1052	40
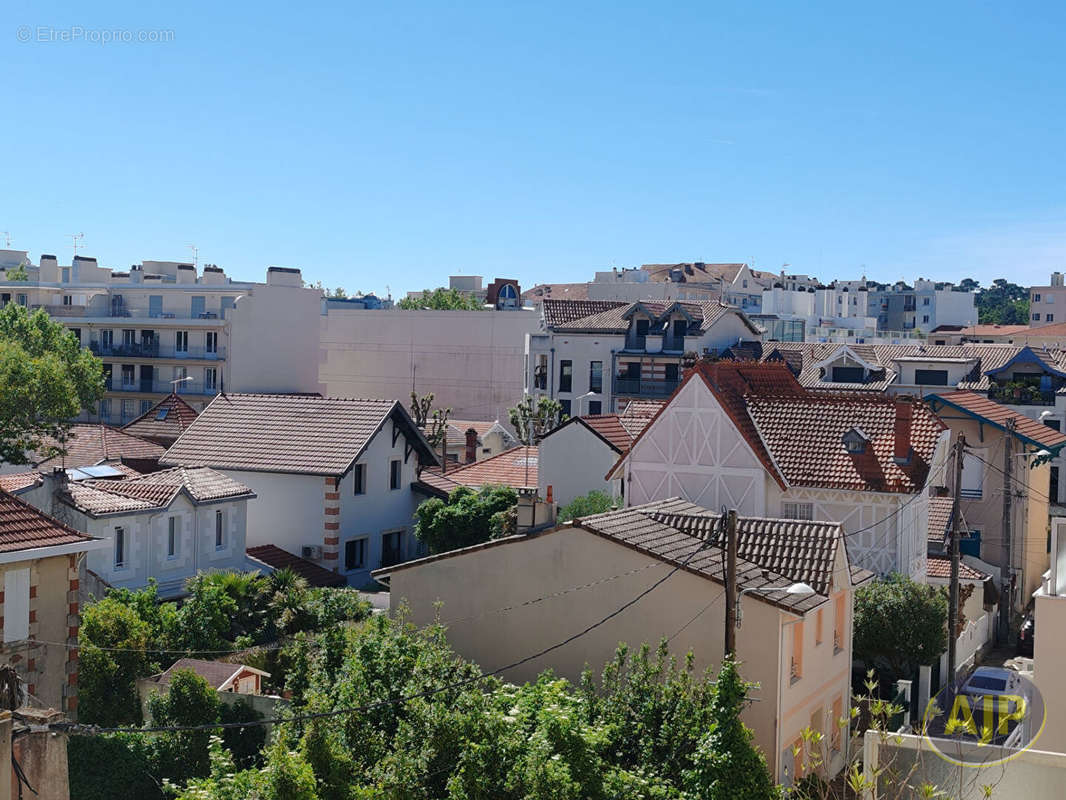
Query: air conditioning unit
312	552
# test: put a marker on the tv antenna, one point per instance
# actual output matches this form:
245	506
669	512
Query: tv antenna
195	254
7	238
75	238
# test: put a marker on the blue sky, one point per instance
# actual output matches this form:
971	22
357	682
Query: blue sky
394	144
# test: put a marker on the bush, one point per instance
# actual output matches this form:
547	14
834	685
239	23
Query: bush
465	520
592	503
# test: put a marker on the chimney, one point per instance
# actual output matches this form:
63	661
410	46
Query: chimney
470	456
902	432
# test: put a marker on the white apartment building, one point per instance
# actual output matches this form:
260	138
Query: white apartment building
1047	304
164	325
589	355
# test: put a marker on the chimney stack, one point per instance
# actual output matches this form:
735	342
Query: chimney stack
470	456
902	432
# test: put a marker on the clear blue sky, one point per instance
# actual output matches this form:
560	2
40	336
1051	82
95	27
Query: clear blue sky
394	144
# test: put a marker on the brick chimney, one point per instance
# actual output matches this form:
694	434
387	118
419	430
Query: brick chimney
470	455
901	453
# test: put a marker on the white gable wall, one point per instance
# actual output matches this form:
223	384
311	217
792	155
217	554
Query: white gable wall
574	461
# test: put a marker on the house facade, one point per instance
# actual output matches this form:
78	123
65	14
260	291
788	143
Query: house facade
796	647
332	477
593	356
166	326
749	436
41	565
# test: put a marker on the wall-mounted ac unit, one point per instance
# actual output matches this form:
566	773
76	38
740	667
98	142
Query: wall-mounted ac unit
312	552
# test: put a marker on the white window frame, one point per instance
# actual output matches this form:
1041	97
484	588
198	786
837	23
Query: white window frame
366	553
17	604
359	472
800	511
399	475
172	537
220	529
121	548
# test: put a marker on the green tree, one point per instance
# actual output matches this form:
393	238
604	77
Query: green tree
900	624
46	379
112	657
534	419
465	519
440	300
592	503
433	422
18	273
188	701
1003	303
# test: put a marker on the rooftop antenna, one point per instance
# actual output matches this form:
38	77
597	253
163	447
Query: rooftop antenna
7	238
75	238
195	254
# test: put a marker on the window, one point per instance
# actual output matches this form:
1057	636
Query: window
105	408
172	537
566	375
359	478
1054	424
210	379
120	548
1036	317
839	623
211	342
671	372
127	410
181	341
973	475
128	378
129	338
1053	488
16	604
925	301
64	276
220	530
931	377
925	317
391	548
744	283
595	407
848	374
77	333
1036	298
354	554
1050	299
838	723
970	543
566	407
68	300
394	474
23	299
146	406
1049	318
797	511
107	339
818	620
596	376
796	666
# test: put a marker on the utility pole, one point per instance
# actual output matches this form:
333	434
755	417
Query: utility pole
731	582
1006	600
956	525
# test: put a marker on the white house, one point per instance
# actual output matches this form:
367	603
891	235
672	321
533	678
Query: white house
166	525
332	476
593	354
748	436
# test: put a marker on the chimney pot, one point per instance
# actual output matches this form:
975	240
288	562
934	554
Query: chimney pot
902	432
470	455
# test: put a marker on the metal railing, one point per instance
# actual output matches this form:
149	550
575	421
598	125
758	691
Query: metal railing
155	350
161	387
644	388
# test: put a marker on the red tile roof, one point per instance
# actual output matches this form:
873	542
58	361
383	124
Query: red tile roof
302	434
15	482
560	312
216	673
276	558
938	566
616	430
95	444
557	291
23	527
155	490
981	408
615	318
164	422
516	468
940	511
641	408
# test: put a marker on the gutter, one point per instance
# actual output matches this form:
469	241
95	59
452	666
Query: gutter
32	553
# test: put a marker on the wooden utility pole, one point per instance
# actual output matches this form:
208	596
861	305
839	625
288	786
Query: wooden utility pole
1006	600
956	527
731	598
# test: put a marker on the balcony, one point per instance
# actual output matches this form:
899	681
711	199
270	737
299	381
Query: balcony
636	342
161	387
155	350
1020	394
644	388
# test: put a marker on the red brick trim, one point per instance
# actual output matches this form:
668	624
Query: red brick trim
332	495
331	541
330	556
333	511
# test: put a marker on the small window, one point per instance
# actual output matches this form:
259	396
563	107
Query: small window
595	407
394	474
210	379
161	414
848	374
359	478
172	537
1036	317
77	333
566	375
819	619
120	548
804	511
68	300
1036	298
16	604
1049	318
355	554
796	666
925	317
596	376
925	301
566	407
839	623
931	377
220	530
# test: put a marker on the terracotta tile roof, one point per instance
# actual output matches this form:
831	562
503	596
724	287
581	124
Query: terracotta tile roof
95	444
642	408
615	319
155	490
16	482
516	468
165	421
557	291
696	272
616	430
457	429
302	434
560	312
940	509
216	673
23	527
276	558
938	566
981	408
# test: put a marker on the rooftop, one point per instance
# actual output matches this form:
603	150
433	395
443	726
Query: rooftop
153	491
938	566
277	559
23	527
303	434
980	408
516	468
90	444
614	318
163	422
218	674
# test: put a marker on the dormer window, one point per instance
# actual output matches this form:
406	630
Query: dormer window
855	441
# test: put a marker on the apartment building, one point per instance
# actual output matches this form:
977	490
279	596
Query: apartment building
1047	304
165	326
503	294
589	355
922	307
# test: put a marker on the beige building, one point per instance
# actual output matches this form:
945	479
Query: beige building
1047	304
41	565
1049	646
797	647
166	326
995	433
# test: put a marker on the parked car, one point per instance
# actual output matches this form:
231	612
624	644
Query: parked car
992	681
1026	635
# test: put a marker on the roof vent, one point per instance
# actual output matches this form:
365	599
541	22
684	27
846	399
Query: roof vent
855	440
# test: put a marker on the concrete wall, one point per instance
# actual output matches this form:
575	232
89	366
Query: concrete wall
471	360
573	461
287	510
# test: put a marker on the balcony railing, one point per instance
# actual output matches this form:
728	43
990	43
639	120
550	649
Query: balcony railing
1021	396
161	387
644	388
124	312
635	342
154	350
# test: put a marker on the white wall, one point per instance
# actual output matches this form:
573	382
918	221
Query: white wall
287	510
573	461
471	360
